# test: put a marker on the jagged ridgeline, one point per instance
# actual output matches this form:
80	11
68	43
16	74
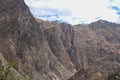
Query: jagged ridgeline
34	49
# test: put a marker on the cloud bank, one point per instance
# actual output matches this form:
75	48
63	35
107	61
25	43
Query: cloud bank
76	11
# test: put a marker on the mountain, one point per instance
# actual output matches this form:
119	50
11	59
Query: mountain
35	49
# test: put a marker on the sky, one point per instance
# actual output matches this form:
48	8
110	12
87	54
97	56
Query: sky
76	11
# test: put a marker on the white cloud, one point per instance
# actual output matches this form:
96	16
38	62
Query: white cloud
115	3
75	11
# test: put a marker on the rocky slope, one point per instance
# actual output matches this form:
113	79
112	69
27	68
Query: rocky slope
88	74
43	50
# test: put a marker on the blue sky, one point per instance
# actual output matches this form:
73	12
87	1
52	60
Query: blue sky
76	11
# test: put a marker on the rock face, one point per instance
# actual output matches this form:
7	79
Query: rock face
43	50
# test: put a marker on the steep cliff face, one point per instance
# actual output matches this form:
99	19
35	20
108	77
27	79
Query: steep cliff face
23	42
43	50
21	37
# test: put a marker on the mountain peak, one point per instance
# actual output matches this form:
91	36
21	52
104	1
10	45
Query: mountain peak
102	21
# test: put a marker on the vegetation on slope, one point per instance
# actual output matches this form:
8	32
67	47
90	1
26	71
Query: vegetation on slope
7	72
114	76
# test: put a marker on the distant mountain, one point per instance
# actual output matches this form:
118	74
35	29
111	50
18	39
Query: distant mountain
34	49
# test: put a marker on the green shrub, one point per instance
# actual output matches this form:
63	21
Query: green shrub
5	73
114	76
